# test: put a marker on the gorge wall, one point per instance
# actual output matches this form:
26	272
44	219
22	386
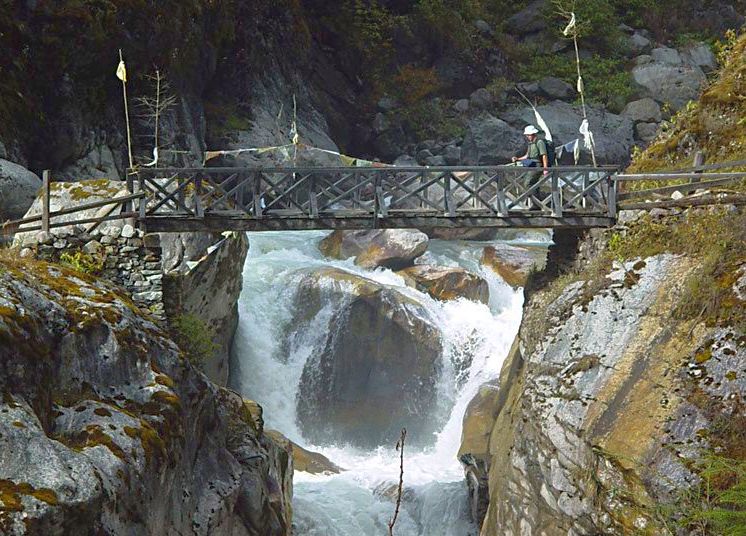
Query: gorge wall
121	434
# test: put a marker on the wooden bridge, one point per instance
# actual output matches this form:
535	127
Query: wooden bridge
269	199
218	199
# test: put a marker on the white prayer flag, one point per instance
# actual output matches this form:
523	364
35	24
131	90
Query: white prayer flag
570	26
122	71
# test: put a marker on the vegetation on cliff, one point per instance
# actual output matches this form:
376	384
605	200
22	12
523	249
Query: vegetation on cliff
716	124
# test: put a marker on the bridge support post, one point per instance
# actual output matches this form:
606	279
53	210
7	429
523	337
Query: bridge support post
128	206
448	196
612	196
556	196
46	189
502	209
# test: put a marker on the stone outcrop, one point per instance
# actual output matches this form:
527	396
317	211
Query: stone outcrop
167	274
513	263
599	410
446	282
119	253
209	289
18	187
304	460
106	428
391	248
378	368
666	78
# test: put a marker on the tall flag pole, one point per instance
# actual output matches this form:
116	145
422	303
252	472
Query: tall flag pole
572	28
122	75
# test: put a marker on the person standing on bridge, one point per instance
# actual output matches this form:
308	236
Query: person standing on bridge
536	153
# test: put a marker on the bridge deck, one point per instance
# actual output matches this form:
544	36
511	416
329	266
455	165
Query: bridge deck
219	199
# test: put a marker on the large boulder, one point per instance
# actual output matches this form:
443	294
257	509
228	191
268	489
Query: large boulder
490	141
105	427
304	460
391	248
461	233
613	133
447	282
513	263
668	81
700	55
378	367
529	20
643	111
556	89
18	187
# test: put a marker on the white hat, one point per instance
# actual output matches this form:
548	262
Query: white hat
530	129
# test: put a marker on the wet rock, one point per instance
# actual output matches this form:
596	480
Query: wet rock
18	188
435	161
453	233
304	460
378	368
392	248
446	283
513	263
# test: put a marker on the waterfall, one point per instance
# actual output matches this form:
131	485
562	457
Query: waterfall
270	353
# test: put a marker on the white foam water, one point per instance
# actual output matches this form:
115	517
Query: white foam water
360	501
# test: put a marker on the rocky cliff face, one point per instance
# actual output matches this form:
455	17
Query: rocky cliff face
607	403
120	433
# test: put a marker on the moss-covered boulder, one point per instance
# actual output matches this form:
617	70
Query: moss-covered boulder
391	248
377	369
106	428
513	263
447	282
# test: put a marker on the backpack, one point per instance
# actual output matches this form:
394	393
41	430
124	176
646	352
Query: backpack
551	152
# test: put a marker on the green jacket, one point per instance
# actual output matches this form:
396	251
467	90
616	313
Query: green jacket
537	149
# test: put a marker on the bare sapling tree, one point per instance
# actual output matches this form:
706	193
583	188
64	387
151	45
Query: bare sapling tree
400	448
151	109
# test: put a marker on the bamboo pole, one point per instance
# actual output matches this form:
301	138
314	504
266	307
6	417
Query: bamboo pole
126	114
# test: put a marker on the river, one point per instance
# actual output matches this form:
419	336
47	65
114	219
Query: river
358	502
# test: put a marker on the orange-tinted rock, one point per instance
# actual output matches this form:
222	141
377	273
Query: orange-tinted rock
447	283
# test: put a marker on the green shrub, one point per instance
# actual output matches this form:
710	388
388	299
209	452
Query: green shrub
195	338
432	119
82	262
606	80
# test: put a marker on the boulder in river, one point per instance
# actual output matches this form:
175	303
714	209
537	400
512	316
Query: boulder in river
377	369
513	263
304	460
391	248
447	282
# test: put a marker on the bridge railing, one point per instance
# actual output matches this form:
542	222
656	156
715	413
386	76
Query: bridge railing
375	192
